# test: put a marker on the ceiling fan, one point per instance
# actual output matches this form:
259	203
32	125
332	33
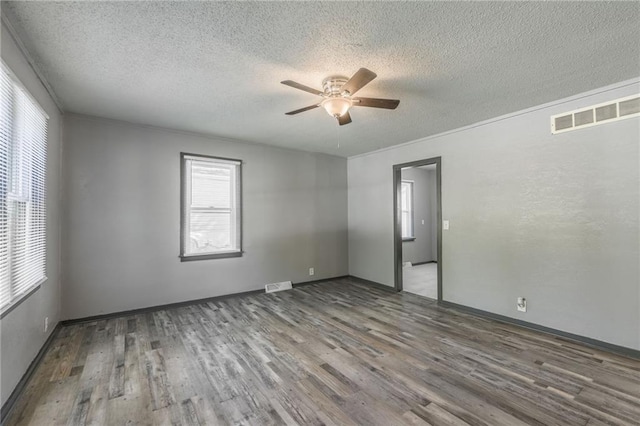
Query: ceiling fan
338	96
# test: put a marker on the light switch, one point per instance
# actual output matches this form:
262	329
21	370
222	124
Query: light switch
445	225
423	221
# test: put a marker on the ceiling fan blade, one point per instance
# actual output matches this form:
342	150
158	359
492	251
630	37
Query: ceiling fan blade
361	78
298	111
301	87
344	119
376	103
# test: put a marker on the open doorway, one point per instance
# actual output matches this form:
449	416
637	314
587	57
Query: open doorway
417	228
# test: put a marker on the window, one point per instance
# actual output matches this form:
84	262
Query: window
406	208
211	207
23	152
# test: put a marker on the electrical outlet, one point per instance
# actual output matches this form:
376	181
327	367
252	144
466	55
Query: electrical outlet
46	324
312	271
521	304
445	225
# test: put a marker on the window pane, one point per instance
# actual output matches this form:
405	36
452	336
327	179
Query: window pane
210	232
211	206
406	208
7	111
23	139
211	185
405	224
403	196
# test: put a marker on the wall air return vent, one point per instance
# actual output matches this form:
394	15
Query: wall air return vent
597	114
271	288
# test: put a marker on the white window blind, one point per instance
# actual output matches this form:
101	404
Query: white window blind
406	207
23	149
211	208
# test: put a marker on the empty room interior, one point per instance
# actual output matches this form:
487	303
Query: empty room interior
320	213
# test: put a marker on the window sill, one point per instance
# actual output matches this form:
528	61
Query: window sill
184	258
408	239
7	309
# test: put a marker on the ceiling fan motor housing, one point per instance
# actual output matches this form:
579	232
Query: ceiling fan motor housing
333	85
336	103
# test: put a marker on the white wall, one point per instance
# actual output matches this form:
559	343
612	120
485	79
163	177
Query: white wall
22	329
553	218
122	218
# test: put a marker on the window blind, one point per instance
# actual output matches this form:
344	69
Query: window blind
406	207
211	216
23	145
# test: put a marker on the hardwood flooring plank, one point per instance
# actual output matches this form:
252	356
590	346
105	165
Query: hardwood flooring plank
57	403
336	353
155	372
80	410
117	379
437	415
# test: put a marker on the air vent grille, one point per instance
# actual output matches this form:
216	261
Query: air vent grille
564	122
597	114
632	106
583	118
271	288
606	112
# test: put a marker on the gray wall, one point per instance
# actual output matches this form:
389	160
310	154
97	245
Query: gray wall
122	218
424	247
553	218
22	330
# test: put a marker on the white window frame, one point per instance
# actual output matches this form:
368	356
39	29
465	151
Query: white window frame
410	234
235	210
29	183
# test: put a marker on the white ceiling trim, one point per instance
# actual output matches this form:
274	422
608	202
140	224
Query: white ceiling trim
621	85
6	21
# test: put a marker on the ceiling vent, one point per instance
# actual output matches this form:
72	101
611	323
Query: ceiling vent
597	114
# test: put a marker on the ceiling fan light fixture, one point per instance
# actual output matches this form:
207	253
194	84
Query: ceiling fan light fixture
337	95
336	106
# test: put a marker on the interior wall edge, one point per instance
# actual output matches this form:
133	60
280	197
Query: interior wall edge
7	18
599	344
549	217
20	387
621	85
23	333
294	217
211	136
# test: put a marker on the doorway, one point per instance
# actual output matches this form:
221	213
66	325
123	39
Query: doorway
417	201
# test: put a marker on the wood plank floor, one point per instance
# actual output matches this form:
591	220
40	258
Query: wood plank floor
331	353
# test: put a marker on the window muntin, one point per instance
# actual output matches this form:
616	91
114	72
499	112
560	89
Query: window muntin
406	208
211	213
23	151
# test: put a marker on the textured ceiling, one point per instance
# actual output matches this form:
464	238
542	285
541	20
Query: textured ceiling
215	68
